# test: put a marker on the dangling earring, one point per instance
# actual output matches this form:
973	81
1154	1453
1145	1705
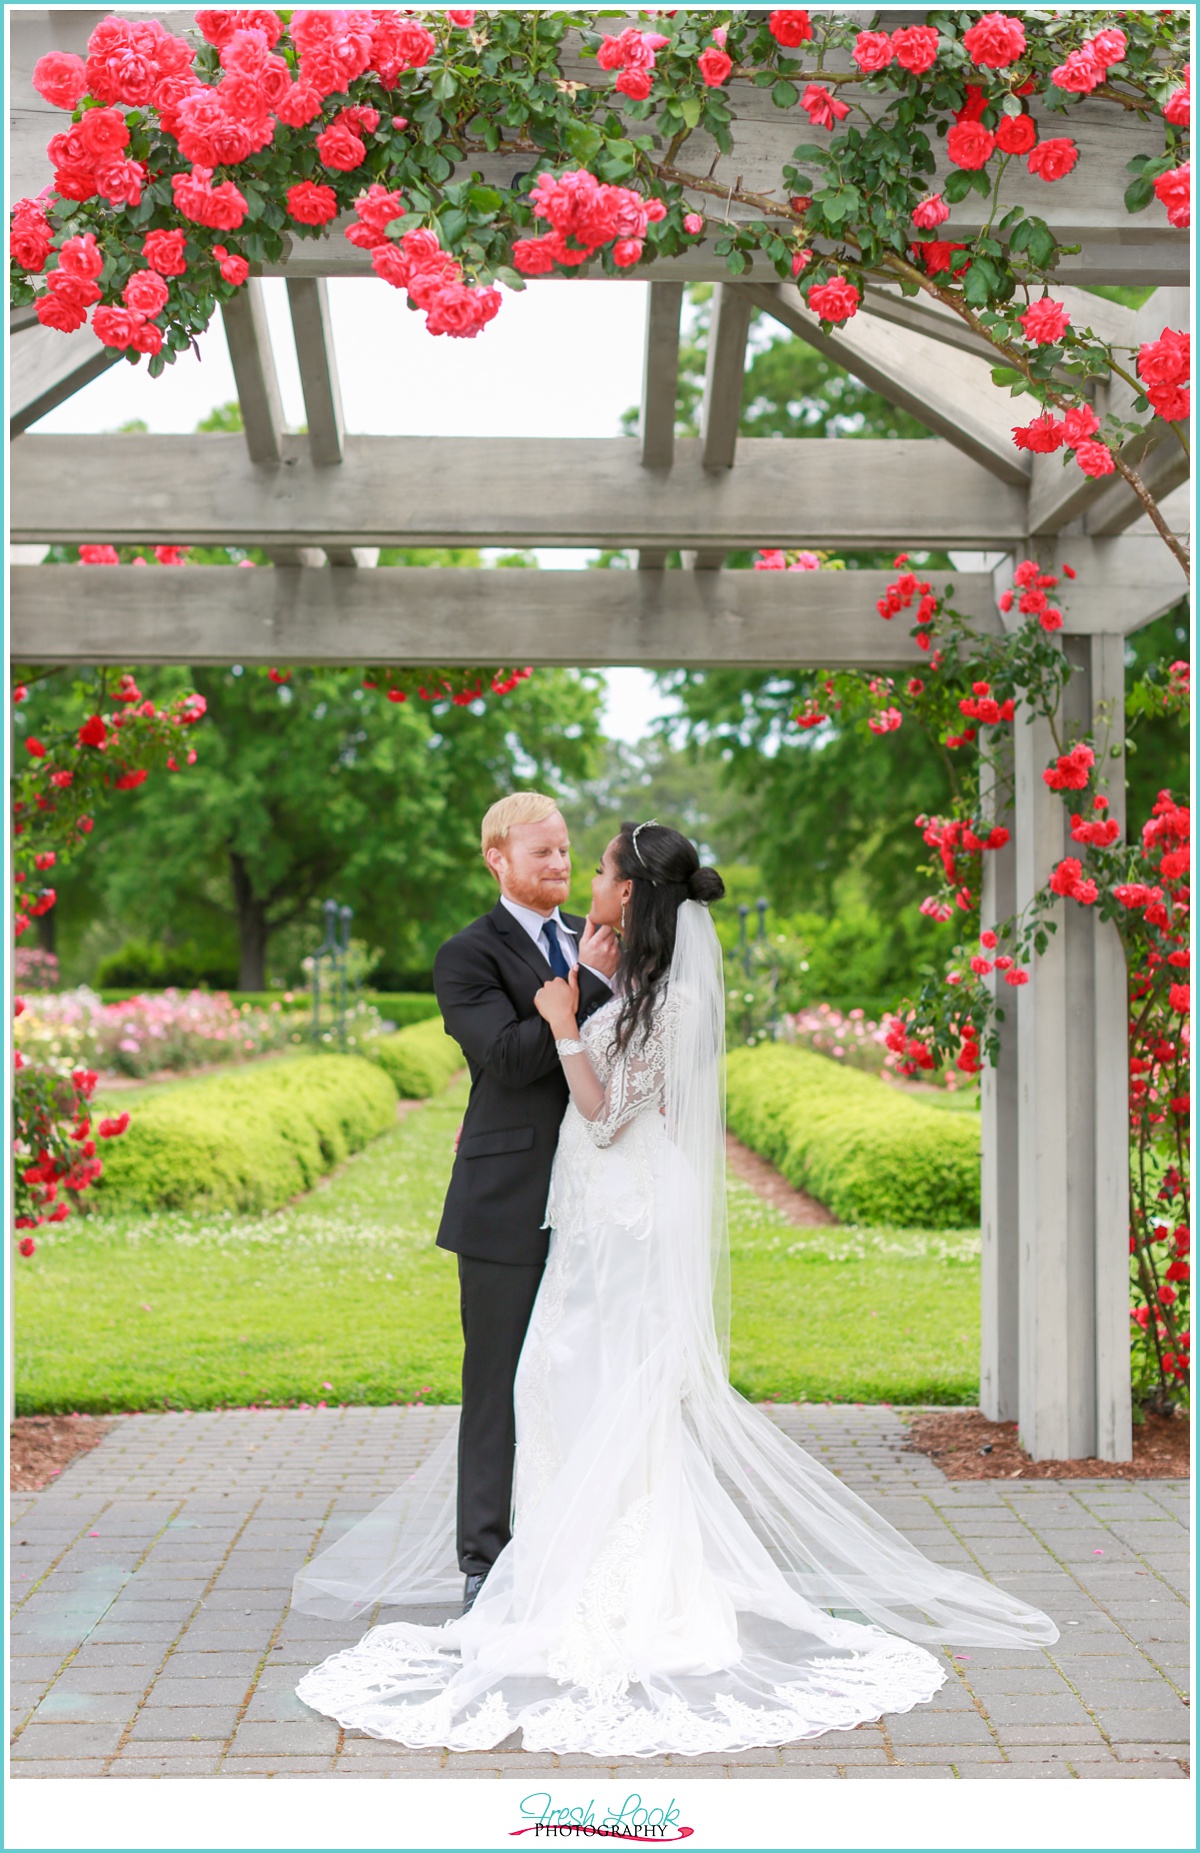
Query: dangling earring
622	916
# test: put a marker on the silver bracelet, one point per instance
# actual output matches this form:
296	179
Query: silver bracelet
567	1045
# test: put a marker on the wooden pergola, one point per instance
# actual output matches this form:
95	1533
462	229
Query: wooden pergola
1055	1109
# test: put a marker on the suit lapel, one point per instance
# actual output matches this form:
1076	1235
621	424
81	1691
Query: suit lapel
517	940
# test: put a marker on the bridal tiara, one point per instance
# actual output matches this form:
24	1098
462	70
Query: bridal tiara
650	823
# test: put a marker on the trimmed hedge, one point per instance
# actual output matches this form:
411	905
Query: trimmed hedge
404	1007
874	1155
246	1142
420	1060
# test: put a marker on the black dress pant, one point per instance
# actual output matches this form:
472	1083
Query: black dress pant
495	1300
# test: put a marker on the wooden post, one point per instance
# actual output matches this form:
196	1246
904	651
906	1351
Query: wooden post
1074	1397
1000	1169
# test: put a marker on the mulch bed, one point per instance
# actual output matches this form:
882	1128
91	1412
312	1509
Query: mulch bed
966	1446
796	1205
40	1446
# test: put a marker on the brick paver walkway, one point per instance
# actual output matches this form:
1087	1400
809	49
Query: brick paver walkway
152	1637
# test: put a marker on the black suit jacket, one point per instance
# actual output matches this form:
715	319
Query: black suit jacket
485	979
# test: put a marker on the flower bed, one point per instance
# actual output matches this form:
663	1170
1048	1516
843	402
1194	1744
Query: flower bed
868	1152
144	1034
420	1060
854	1039
247	1142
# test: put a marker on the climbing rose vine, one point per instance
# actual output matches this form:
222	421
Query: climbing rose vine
185	160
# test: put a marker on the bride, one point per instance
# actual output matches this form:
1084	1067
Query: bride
681	1577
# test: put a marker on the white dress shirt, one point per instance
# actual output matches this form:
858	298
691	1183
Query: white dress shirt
533	923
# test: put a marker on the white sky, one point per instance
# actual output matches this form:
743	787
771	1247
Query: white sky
560	360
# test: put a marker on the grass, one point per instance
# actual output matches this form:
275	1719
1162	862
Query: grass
343	1297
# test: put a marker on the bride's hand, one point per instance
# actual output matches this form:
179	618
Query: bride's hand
558	1002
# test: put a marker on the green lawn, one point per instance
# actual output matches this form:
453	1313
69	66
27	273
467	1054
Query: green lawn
345	1288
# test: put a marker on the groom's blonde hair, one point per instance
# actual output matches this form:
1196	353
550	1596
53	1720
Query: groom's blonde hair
522	807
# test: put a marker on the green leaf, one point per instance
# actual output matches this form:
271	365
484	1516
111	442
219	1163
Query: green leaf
512	278
583	139
690	108
1006	376
452	225
808	151
444	86
784	95
976	285
958	185
1041	244
1138	195
737	261
486	202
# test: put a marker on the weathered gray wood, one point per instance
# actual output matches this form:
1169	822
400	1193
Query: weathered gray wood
429	615
493	492
927	316
949	391
308	298
1110	1081
46	367
660	375
724	375
999	1351
253	361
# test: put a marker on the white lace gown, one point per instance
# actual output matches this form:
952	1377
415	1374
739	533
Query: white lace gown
681	1577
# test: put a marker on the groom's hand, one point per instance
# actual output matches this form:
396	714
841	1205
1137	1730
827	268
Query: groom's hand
599	949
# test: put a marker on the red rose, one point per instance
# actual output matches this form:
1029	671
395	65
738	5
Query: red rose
916	48
938	254
790	26
461	16
112	1129
93	732
872	51
1172	403
1054	158
1044	435
145	293
31	239
1045	321
120	182
60	78
995	40
1168	360
1109	46
98	556
835	301
312	204
299	105
970	145
74	183
35	749
26	1246
715	65
626	252
1093	459
115	326
824	109
1080	74
1079	422
129	781
1175	192
81	257
234	269
1177	110
164	252
634	84
1180	998
1016	134
104	134
340	148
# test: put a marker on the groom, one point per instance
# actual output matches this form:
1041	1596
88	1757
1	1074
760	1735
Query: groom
485	979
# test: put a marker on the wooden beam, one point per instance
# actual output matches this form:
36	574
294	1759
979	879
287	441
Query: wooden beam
308	298
253	361
925	315
220	614
660	375
46	367
1121	583
949	391
724	375
404	491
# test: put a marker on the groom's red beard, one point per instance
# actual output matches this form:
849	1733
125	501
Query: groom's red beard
543	892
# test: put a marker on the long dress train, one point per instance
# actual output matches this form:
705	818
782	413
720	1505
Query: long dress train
681	1576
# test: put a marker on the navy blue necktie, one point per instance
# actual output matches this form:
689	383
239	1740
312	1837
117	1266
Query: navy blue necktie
556	955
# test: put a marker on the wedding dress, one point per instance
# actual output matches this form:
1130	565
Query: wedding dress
681	1577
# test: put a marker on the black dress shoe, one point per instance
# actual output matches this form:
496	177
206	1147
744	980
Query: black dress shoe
472	1587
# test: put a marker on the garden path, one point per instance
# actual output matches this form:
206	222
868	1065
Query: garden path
152	1635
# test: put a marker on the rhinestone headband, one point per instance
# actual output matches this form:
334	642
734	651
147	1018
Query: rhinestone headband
650	823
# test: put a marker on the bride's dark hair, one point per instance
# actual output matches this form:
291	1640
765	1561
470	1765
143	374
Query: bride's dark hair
665	871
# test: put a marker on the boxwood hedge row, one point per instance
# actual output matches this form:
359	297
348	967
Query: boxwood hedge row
249	1141
873	1154
420	1060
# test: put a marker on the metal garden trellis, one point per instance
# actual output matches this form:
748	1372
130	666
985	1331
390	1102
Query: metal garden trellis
1055	1351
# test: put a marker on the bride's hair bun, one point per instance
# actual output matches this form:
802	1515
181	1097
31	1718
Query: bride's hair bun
705	885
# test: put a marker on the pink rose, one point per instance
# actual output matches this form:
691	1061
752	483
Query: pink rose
81	257
1109	45
1079	423
145	293
60	78
835	301
1054	158
626	252
930	212
693	224
311	204
715	66
995	40
120	182
1093	459
1045	321
1168	360
164	252
872	51
824	109
340	148
234	269
1175	192
115	326
1080	74
104	134
915	48
31	239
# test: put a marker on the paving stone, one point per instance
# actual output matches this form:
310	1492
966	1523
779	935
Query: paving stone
140	1750
270	1738
65	1704
158	1723
70	1739
275	1766
1144	1727
1050	1753
1142	1753
1156	1772
1008	1772
59	1767
923	1727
